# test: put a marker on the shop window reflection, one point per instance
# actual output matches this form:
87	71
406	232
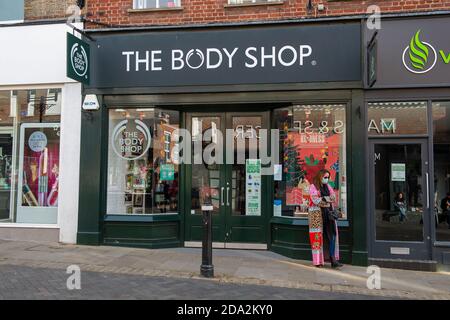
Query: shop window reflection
142	176
312	137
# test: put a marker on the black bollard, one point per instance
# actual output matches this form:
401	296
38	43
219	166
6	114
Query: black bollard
207	268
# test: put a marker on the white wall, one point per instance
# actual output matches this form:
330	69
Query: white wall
33	54
69	162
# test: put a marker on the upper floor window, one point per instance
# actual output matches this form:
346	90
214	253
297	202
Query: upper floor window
11	11
156	4
251	1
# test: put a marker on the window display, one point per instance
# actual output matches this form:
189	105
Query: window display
40	169
312	137
29	155
142	178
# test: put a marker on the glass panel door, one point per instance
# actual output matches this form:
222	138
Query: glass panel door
245	182
400	199
236	188
205	178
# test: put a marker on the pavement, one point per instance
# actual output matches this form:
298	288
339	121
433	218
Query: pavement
32	270
26	283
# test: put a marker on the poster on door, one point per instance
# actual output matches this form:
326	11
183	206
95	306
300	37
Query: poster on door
398	172
253	187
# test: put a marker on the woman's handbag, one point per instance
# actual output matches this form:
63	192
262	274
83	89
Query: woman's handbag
333	215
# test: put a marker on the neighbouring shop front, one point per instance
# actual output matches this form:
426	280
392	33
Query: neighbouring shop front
224	86
39	133
408	129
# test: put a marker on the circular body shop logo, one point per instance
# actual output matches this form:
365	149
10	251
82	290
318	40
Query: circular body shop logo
37	141
195	58
131	139
419	56
79	60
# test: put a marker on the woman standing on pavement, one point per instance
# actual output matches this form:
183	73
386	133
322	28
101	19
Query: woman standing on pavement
323	220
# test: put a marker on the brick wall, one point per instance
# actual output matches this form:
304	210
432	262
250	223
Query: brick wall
115	12
46	9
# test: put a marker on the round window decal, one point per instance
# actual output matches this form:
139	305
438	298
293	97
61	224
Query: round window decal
37	141
130	139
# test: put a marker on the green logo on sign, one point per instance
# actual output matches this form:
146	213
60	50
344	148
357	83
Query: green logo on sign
418	52
419	56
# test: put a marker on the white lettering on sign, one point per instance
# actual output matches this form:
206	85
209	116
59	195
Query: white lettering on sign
310	127
386	125
213	58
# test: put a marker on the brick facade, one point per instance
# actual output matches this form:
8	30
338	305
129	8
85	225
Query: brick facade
116	12
47	9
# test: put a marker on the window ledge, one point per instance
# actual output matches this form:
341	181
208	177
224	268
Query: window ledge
28	225
155	9
252	4
302	221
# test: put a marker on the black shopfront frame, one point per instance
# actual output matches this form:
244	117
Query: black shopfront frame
438	251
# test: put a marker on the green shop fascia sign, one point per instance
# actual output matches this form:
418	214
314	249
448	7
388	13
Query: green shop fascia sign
78	64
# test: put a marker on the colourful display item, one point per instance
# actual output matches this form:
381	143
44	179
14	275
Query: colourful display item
29	197
43	178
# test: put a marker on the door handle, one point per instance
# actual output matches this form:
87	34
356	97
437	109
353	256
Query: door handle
428	190
228	196
221	194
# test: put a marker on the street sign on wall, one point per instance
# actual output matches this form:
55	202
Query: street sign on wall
78	64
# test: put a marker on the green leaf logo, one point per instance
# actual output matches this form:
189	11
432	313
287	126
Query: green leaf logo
418	52
419	56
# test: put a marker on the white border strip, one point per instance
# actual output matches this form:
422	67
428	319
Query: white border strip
28	225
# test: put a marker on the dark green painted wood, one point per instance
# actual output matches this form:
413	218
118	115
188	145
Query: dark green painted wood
142	218
358	180
140	234
295	88
90	199
181	183
293	241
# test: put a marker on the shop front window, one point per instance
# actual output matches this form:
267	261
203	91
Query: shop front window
441	152
397	118
29	155
312	137
142	177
